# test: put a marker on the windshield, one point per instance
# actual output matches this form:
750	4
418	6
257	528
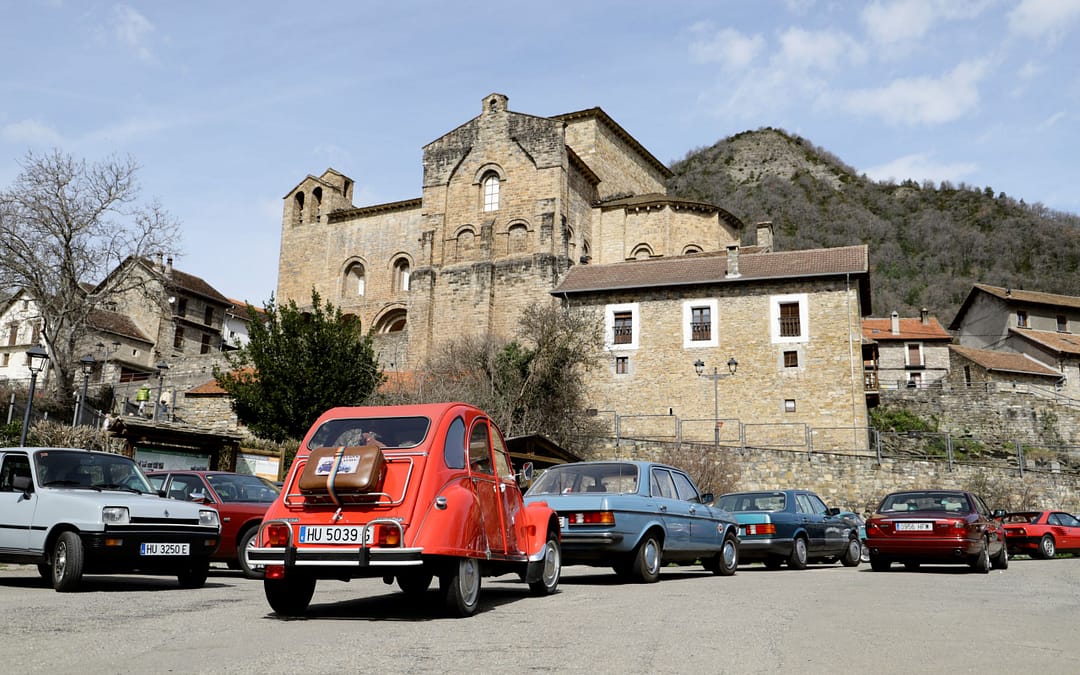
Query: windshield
570	478
926	501
238	487
753	501
385	432
81	469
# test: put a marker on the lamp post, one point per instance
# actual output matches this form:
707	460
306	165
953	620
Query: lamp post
716	376
161	368
104	370
87	368
37	357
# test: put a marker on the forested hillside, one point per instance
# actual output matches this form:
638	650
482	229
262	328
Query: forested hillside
928	243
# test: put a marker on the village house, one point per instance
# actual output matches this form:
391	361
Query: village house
911	352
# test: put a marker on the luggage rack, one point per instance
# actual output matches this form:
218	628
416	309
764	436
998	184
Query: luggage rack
297	498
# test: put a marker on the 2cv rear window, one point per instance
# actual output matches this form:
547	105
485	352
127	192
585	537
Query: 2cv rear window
385	432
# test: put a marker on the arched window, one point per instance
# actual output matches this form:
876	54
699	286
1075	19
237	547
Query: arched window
393	321
641	252
519	238
466	242
691	249
298	208
354	281
401	274
317	195
490	186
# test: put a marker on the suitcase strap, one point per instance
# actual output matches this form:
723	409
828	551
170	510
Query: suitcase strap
333	474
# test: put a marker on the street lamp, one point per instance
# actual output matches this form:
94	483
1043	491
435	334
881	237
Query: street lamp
87	368
161	368
37	358
716	376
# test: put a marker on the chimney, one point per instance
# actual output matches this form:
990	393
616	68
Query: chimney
732	261
895	323
160	265
168	267
764	236
924	316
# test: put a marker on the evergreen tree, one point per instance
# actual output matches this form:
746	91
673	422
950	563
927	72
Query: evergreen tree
297	365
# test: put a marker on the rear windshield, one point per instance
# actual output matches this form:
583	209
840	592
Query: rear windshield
753	501
1020	518
237	487
385	432
571	478
925	501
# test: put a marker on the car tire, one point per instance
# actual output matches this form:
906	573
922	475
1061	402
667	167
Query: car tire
548	582
981	562
647	559
879	564
865	555
726	560
289	596
1047	547
1001	560
852	554
460	587
414	583
248	540
45	571
797	559
912	566
67	562
195	575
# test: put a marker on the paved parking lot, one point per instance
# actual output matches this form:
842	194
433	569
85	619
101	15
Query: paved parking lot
824	619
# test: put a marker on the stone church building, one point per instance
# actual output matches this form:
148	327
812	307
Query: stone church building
512	203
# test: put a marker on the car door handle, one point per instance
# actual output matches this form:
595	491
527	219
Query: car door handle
663	507
692	510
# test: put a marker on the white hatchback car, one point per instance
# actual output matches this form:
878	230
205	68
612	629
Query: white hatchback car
72	511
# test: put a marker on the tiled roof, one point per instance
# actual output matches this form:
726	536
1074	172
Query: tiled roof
240	309
1005	361
186	282
1063	343
117	324
711	268
1033	297
910	329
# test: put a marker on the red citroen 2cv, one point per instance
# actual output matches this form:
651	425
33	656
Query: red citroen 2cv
411	493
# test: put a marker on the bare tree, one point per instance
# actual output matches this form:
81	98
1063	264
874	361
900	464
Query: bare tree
64	225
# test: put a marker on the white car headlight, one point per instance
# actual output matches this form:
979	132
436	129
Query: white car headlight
209	517
115	515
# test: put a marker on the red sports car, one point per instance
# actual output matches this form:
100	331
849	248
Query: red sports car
1042	534
936	526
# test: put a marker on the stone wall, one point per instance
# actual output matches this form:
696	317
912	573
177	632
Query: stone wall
858	483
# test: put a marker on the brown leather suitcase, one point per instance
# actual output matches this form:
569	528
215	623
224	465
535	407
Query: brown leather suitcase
347	469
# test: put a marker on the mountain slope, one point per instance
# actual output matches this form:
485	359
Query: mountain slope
928	243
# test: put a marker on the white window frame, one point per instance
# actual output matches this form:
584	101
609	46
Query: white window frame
490	185
714	324
609	326
803	300
907	354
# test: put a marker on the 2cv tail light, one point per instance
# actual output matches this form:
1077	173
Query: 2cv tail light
387	536
277	534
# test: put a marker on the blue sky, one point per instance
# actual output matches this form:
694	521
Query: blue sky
228	105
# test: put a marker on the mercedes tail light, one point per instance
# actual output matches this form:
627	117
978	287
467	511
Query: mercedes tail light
590	518
759	528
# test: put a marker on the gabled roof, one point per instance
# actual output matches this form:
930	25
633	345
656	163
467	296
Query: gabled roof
115	323
1015	297
1005	362
880	330
1062	343
711	268
239	309
599	115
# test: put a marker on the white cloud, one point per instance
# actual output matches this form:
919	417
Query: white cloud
31	132
904	22
134	30
922	100
920	167
728	47
823	50
1044	19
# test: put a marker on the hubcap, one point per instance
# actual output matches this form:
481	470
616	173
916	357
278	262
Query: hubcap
800	550
730	553
551	565
61	560
652	556
469	578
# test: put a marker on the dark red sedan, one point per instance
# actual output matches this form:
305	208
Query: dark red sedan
240	500
938	527
1042	534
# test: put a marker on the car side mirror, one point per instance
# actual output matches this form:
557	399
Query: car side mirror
999	514
198	496
707	498
526	474
22	484
834	511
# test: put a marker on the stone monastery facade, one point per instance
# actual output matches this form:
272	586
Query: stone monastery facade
515	208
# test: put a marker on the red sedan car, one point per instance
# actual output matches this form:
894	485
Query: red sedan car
1042	534
240	500
936	526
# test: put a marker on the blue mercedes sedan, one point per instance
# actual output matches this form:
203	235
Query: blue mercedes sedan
793	527
636	517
